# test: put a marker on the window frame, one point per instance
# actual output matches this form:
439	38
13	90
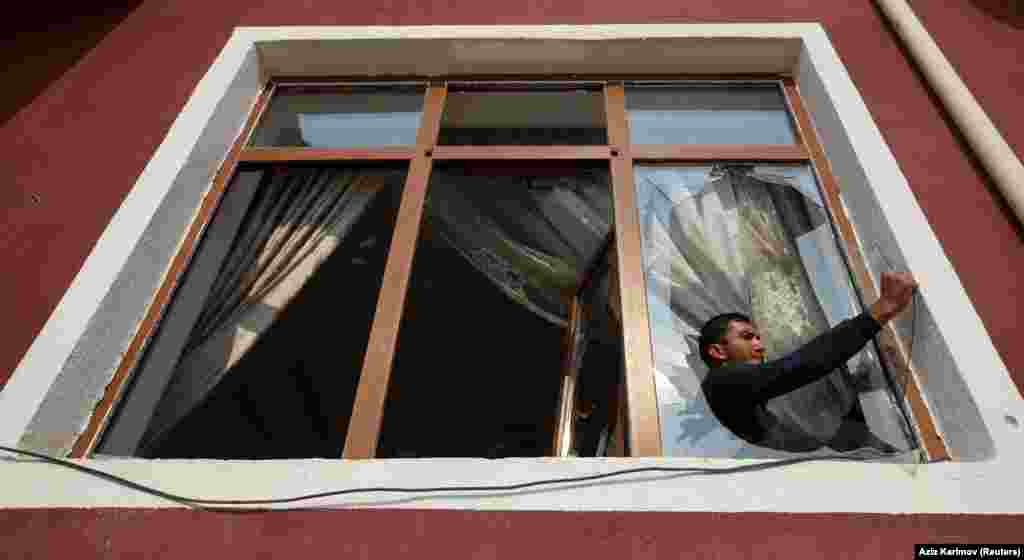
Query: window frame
642	423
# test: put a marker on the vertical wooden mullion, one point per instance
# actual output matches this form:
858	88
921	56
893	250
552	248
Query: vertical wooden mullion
566	413
371	394
644	430
889	341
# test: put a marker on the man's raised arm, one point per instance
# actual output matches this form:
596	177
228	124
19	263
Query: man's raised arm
824	353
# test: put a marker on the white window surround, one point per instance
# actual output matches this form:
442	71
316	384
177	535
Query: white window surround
40	393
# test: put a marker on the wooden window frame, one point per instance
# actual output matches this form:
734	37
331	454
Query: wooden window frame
638	403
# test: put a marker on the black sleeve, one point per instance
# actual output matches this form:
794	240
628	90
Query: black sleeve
816	359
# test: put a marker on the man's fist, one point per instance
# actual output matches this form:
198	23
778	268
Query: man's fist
897	291
898	288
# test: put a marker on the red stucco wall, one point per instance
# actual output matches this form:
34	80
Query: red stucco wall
984	40
377	534
32	55
79	146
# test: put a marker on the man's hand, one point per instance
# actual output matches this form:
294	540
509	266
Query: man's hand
897	291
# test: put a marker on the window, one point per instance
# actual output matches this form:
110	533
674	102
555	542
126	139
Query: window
259	352
63	385
433	269
756	239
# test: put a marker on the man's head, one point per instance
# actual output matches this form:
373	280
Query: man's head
730	337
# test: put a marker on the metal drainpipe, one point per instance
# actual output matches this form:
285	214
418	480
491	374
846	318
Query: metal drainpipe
1002	165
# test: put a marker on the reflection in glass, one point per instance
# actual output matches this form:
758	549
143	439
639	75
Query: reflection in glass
480	347
755	240
341	120
562	117
708	115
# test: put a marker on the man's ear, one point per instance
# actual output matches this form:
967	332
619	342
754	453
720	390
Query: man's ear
717	352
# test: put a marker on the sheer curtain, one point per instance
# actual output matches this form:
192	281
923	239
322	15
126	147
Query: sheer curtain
752	239
295	223
533	237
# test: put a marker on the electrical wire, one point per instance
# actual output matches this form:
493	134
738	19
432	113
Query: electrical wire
205	503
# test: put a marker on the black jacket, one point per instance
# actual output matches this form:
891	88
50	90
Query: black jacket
737	393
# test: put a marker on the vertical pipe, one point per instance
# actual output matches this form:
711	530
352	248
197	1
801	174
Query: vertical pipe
996	156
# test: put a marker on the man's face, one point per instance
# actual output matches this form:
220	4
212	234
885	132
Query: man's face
741	344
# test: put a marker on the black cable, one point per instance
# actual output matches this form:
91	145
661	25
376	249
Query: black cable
107	476
201	503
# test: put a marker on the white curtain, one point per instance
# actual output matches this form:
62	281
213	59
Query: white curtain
749	239
533	237
296	221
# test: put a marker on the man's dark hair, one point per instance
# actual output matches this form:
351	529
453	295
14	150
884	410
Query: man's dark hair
714	332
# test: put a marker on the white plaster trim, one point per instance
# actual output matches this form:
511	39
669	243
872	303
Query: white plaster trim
814	487
53	345
958	321
807	487
575	32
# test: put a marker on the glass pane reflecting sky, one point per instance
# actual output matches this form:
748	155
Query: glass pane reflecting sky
708	115
341	120
569	117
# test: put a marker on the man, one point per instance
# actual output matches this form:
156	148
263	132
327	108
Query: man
740	382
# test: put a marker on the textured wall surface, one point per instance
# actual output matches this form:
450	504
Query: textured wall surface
443	534
30	52
75	150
